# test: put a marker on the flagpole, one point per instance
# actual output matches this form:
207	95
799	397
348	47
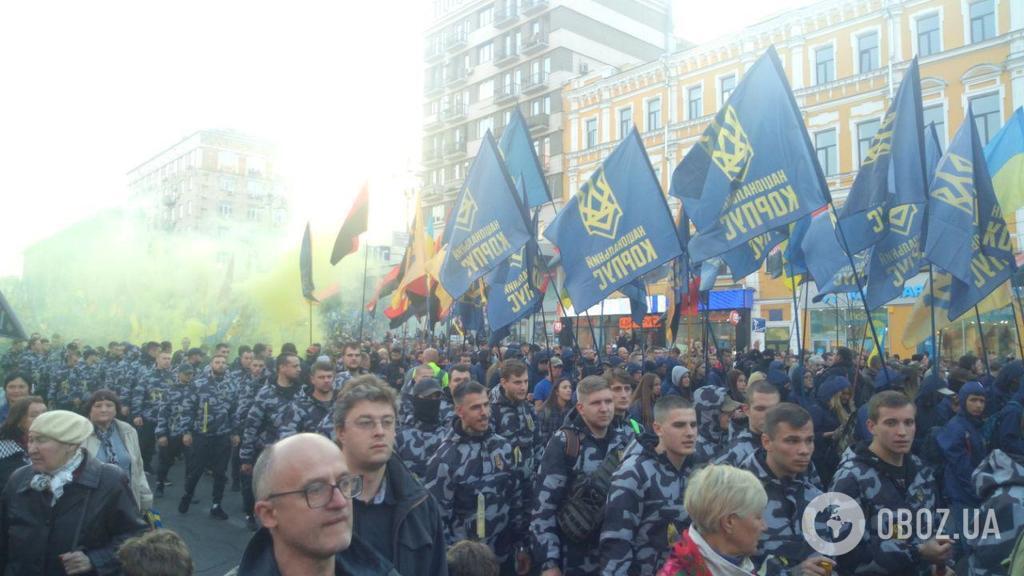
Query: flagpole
362	301
704	335
796	318
837	321
981	337
1016	327
544	320
806	316
310	302
931	308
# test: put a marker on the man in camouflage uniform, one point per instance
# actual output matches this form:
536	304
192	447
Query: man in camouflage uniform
999	482
594	439
90	371
622	390
884	475
416	443
264	420
66	390
169	419
12	357
715	410
472	477
645	514
351	360
146	400
136	374
310	409
782	464
513	418
761	397
405	397
207	426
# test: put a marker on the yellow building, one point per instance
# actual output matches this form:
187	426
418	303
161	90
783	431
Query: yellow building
844	60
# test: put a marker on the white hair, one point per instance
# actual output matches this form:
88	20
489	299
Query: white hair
716	491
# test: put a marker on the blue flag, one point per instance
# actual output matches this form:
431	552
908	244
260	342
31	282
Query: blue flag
512	293
747	257
489	224
516	147
967	235
891	176
754	168
471	311
826	262
616	228
636	291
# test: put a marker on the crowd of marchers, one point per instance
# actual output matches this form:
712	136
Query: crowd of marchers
397	457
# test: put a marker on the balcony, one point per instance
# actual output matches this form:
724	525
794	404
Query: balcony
506	15
454	150
535	83
458	75
432	87
531	7
433	122
432	157
535	44
455	41
506	93
538	122
433	51
502	58
454	113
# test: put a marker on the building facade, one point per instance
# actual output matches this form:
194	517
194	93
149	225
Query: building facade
485	57
210	182
844	60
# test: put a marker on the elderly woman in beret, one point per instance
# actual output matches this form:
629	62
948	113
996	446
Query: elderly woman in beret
66	512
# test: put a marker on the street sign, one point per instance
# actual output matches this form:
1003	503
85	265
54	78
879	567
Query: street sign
758	325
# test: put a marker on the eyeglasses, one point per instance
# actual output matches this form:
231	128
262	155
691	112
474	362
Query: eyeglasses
318	494
368	424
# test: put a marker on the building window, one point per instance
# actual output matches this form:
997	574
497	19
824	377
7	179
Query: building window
986	115
865	134
867	52
547	104
983	20
485	90
591	132
254	188
694	102
653	114
251	214
936	115
828	155
824	65
486	16
227	184
625	121
929	37
485	53
227	161
485	125
225	209
725	87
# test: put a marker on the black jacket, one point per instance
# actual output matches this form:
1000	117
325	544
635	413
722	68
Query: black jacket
33	535
418	530
356	560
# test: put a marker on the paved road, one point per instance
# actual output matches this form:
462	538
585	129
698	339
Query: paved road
216	545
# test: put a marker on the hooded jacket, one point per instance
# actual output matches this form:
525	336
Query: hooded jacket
963	449
932	409
712	439
999	483
644	512
825	420
1005	387
356	560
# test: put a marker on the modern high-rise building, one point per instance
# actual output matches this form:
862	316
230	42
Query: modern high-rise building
210	182
485	57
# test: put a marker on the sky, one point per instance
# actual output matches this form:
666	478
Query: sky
93	89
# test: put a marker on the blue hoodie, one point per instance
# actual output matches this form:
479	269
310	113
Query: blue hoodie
825	420
963	450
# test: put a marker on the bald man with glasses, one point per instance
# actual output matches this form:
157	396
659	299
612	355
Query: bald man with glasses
304	496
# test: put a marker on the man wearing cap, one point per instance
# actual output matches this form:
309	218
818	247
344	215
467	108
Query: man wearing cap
543	388
715	411
963	449
67	512
417	442
168	420
761	397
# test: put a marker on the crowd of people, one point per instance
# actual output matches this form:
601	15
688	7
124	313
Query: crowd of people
392	457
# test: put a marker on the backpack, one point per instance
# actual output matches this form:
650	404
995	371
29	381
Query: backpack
990	429
580	516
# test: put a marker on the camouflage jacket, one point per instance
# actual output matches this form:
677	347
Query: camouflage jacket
148	395
739	449
247	387
169	416
645	511
305	414
999	482
66	390
876	485
517	422
267	415
472	473
415	445
782	544
210	408
89	376
552	487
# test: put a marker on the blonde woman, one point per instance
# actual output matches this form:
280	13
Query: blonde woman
725	506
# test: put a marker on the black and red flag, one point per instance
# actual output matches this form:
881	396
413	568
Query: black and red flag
355	224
